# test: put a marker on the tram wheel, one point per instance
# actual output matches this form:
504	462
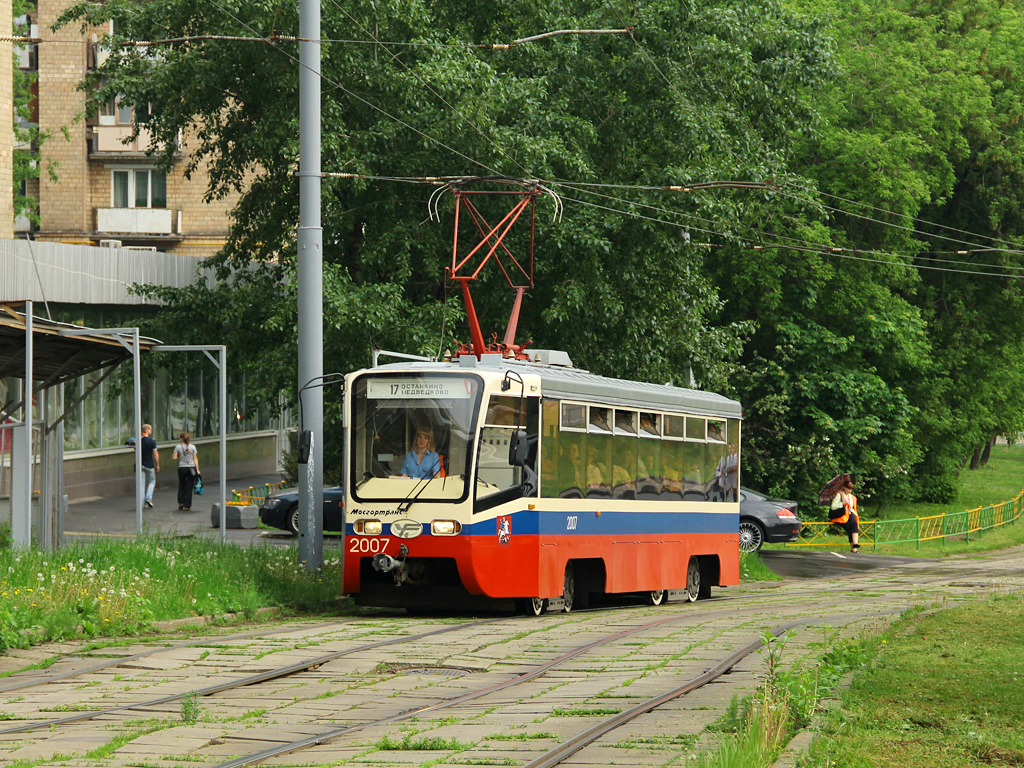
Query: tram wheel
568	588
693	586
532	606
656	597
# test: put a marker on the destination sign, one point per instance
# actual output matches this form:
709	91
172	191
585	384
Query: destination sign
443	389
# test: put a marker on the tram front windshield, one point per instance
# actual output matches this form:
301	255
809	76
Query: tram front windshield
412	436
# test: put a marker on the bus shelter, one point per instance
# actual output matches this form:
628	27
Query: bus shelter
43	355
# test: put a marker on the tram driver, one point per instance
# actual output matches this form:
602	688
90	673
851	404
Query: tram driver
423	460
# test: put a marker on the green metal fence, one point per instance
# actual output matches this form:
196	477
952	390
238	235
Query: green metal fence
914	530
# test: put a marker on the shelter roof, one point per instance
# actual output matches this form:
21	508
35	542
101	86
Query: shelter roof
57	358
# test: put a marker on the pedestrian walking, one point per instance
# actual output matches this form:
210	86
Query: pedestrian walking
150	462
188	468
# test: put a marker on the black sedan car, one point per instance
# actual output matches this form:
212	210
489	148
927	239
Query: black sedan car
281	510
766	520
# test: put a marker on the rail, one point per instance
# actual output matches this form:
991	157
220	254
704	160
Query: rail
254	494
914	530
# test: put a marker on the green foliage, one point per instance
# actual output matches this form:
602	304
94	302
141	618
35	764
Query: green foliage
410	742
25	165
190	708
116	588
826	303
624	295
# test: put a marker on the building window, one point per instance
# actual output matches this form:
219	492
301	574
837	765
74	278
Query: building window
139	188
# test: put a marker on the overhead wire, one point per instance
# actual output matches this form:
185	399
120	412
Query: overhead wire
430	88
689	187
671	85
360	99
790	243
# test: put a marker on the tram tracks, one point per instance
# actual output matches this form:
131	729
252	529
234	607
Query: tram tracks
487	649
399	714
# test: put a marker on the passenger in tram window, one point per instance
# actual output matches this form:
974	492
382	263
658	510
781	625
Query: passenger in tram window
574	473
625	469
648	477
423	460
599	473
672	469
693	472
727	476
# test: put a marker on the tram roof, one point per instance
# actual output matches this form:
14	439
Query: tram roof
577	384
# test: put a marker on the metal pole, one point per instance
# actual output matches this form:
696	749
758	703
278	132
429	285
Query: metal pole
21	502
139	484
310	286
223	444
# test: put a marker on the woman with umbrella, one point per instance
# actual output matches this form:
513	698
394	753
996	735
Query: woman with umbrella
843	512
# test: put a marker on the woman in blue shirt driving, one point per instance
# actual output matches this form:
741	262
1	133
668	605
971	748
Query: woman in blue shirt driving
422	461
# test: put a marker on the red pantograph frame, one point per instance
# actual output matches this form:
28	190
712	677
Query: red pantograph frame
463	273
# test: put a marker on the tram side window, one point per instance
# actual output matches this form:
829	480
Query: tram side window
715	468
731	483
672	469
693	472
551	447
599	465
494	473
625	468
650	475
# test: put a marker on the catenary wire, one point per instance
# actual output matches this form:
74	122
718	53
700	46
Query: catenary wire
650	60
822	250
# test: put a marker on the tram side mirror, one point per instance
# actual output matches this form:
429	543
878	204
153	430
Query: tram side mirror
517	446
305	440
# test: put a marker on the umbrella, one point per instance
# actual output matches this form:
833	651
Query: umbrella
833	486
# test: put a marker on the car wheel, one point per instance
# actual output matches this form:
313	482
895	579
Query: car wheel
293	521
657	597
751	536
693	588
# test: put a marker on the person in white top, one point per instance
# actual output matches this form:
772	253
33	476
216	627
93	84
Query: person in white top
188	468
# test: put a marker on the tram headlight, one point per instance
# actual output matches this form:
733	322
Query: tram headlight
368	527
445	527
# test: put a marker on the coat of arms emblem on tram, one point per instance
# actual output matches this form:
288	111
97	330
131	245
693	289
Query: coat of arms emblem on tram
504	530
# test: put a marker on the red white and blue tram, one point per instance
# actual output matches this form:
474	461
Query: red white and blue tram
551	484
506	477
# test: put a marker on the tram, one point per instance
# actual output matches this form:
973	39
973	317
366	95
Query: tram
506	478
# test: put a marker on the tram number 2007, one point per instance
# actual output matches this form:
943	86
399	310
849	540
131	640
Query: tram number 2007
571	522
359	544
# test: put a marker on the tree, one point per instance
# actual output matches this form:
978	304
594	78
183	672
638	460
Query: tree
695	92
25	165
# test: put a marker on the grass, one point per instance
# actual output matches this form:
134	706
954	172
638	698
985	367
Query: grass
108	588
754	731
946	689
752	568
1000	479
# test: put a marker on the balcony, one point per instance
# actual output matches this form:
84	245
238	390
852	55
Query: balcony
138	221
110	139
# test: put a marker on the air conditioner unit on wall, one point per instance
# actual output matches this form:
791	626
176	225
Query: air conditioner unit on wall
110	243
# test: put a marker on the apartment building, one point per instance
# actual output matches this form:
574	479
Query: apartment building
106	190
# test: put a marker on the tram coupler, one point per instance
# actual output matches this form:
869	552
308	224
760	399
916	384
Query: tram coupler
387	564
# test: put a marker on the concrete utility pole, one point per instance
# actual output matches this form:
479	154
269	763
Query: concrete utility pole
310	292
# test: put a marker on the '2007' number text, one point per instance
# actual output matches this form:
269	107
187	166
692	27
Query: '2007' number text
359	544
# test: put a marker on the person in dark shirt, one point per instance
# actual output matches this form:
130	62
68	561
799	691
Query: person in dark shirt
150	462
